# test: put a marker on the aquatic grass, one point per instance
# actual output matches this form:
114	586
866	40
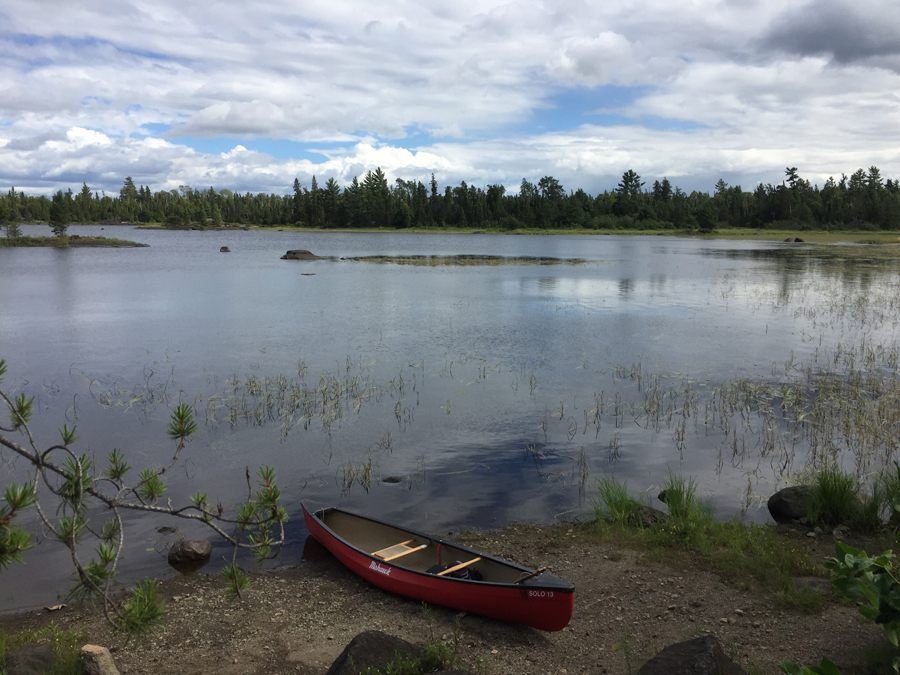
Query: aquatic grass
614	504
680	497
834	497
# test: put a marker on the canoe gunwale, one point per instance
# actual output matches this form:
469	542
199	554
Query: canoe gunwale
550	583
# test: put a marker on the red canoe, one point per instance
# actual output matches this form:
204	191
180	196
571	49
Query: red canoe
427	568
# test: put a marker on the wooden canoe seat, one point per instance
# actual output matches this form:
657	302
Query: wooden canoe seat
459	567
399	550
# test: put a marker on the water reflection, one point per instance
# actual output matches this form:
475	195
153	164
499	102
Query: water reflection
497	390
626	288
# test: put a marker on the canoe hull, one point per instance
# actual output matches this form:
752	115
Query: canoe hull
545	606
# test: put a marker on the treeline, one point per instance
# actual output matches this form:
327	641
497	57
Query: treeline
861	201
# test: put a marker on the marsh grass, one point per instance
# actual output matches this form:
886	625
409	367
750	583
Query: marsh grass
614	504
834	497
747	554
66	646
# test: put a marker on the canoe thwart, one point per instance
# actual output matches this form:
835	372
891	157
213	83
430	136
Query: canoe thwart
458	567
399	550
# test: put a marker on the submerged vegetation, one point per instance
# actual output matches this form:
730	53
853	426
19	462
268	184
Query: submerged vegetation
466	260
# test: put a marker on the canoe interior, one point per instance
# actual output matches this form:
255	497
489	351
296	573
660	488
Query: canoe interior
372	536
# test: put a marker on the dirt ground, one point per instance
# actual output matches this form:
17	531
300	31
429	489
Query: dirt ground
298	620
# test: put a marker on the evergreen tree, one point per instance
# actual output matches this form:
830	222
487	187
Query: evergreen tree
628	194
129	192
60	216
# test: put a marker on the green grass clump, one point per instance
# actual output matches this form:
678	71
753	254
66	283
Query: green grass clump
64	643
746	554
834	498
614	504
837	497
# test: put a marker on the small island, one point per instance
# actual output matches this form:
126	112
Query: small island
73	241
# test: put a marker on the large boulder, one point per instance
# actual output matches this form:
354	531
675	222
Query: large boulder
372	649
789	504
700	656
33	659
189	554
300	254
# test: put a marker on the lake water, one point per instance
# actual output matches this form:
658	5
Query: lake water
494	393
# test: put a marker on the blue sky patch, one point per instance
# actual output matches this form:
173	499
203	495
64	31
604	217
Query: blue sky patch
154	128
66	43
574	107
277	148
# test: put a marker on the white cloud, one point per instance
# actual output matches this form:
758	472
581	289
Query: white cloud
79	82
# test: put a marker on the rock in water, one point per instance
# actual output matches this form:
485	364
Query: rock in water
186	556
224	249
300	254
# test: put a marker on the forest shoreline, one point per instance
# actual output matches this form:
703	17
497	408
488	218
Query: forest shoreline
812	236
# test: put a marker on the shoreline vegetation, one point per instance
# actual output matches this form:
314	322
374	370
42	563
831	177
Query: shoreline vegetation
717	566
888	239
863	201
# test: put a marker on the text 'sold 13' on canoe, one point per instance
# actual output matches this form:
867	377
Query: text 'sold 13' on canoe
429	568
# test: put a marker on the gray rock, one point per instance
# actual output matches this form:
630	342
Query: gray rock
190	553
97	660
33	659
372	649
300	254
700	656
789	504
648	516
225	249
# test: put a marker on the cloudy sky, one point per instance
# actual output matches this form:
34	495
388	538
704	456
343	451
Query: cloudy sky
249	95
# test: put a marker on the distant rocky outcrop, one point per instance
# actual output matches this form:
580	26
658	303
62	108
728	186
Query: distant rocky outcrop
300	254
